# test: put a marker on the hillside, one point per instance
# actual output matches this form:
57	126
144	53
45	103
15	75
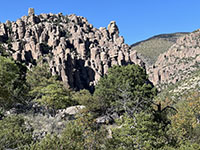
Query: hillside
175	92
179	62
150	49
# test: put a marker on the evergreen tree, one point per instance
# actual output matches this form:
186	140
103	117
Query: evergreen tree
124	89
12	83
47	89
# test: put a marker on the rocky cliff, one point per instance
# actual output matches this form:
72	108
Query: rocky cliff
76	51
179	62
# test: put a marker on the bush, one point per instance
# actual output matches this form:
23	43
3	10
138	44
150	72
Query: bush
14	133
84	97
50	142
185	124
140	132
80	134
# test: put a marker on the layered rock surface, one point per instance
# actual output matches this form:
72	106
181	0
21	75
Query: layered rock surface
76	51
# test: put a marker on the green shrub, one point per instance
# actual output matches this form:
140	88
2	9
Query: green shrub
50	142
84	97
14	133
140	132
80	134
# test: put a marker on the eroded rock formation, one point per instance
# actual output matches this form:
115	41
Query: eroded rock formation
76	51
179	62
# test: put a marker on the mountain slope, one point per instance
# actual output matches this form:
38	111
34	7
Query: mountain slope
179	62
176	91
150	49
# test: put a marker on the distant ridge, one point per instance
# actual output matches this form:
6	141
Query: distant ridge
179	62
151	48
171	36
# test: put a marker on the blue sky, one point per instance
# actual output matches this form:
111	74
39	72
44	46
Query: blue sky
136	19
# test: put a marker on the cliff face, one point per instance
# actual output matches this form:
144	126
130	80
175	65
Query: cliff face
76	51
179	62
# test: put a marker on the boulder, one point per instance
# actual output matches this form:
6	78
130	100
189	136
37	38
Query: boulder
74	109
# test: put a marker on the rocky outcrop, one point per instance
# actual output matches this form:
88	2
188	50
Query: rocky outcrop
76	51
179	62
31	11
